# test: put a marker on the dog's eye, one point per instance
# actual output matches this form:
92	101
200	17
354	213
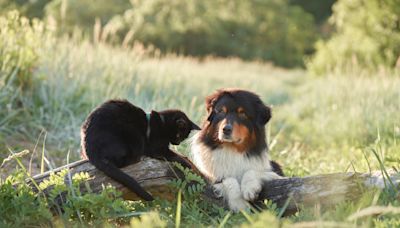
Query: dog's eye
242	114
220	110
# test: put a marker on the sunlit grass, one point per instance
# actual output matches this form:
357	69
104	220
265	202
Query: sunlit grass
319	125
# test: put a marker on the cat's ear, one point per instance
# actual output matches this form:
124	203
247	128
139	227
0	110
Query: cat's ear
194	126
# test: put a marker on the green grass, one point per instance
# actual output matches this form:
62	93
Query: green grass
329	124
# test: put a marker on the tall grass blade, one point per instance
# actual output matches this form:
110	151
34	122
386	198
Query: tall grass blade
178	210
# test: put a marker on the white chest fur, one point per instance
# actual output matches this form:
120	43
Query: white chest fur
223	163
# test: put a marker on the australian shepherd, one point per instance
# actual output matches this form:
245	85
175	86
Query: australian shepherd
231	149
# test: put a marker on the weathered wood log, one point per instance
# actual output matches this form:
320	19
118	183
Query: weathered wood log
289	193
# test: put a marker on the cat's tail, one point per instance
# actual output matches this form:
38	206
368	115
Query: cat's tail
118	175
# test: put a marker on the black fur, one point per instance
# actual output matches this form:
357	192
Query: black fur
114	135
276	168
257	113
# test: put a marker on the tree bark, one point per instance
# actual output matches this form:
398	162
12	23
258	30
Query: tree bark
288	193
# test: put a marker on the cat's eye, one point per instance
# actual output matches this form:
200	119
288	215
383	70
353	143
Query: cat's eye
180	123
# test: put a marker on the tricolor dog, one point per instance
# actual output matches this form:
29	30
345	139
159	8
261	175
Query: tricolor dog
231	149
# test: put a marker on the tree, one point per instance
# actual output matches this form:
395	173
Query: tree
367	37
270	30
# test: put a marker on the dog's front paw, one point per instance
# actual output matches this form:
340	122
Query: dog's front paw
237	204
251	185
234	197
218	190
251	189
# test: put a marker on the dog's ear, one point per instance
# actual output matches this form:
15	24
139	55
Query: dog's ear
210	104
263	114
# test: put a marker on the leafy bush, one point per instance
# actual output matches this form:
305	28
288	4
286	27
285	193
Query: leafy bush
85	207
150	220
83	13
269	30
20	207
27	8
19	42
368	37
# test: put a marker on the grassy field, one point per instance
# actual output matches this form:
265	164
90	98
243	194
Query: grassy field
319	125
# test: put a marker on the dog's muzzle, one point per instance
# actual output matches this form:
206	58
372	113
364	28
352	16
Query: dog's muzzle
225	134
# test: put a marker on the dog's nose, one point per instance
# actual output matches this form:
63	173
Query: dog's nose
227	129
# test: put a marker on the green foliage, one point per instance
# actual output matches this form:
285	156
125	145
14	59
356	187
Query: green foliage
85	207
27	8
340	116
269	30
260	220
319	125
367	37
278	31
19	42
321	10
192	185
151	220
20	207
73	14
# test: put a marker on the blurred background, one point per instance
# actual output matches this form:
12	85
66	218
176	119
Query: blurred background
330	69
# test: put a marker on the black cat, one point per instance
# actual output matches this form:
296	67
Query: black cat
118	134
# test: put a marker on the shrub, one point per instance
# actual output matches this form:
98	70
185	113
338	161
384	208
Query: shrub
367	37
20	207
19	41
83	13
268	30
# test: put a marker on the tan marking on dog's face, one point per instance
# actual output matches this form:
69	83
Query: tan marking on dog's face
223	109
241	113
244	146
239	133
241	138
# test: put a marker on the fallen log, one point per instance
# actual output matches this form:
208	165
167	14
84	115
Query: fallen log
289	193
